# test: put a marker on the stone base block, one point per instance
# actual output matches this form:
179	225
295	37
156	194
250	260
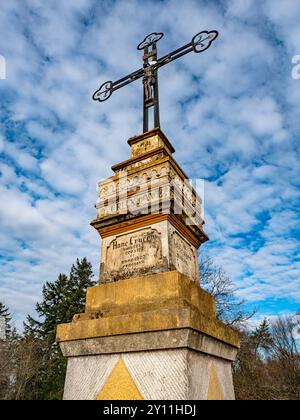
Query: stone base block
184	366
152	337
156	302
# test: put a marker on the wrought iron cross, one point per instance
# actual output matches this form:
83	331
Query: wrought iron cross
200	42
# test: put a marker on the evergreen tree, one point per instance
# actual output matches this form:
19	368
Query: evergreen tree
7	348
60	301
52	310
80	278
262	337
4	312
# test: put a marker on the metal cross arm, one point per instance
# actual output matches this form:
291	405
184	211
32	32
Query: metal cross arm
107	88
200	42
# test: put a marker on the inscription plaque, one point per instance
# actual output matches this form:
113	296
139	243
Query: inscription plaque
133	254
183	256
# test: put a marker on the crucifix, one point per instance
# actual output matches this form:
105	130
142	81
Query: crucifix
200	42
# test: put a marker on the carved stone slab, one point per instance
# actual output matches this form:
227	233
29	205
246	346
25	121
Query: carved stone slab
153	249
133	254
183	256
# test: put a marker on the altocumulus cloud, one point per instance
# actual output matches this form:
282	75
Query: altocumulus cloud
232	114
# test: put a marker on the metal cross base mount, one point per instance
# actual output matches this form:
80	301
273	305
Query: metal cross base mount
200	42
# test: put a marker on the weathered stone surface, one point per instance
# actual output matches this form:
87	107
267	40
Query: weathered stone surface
155	320
148	141
154	249
183	256
215	391
148	331
150	303
119	385
146	293
148	185
177	374
156	340
133	254
202	386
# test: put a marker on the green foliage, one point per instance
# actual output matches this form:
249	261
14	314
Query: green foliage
61	299
33	368
4	311
268	362
262	337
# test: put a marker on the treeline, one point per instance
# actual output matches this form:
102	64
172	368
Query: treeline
33	368
268	362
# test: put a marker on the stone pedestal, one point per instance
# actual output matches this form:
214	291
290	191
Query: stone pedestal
153	337
148	331
148	215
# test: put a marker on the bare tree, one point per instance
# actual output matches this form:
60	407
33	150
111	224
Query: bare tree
268	363
29	364
285	343
286	355
230	309
8	357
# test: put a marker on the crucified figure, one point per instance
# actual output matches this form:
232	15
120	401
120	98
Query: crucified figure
199	43
149	82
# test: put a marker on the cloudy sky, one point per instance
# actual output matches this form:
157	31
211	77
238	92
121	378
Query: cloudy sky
232	114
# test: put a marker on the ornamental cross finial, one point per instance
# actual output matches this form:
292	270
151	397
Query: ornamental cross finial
200	42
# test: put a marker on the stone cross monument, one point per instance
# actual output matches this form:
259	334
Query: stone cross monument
148	331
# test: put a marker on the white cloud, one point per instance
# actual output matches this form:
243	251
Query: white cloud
232	114
22	157
241	8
